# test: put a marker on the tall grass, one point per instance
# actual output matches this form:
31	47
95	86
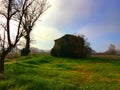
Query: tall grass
44	72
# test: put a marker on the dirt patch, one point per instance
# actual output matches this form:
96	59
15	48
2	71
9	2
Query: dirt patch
13	61
100	63
87	75
118	80
82	72
105	79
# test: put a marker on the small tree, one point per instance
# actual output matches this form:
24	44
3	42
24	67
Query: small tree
112	49
31	15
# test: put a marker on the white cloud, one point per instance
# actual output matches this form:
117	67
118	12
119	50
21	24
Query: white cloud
94	31
46	33
64	12
45	36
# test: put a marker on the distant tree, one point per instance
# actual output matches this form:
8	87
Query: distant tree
31	15
34	50
71	46
112	49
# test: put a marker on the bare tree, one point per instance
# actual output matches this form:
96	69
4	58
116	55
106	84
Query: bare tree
31	15
11	11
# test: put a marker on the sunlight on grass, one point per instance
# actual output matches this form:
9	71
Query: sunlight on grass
42	72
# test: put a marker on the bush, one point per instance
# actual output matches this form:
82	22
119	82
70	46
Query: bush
25	52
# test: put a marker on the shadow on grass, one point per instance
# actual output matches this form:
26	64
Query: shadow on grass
37	61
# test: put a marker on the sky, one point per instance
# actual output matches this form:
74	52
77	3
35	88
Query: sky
98	20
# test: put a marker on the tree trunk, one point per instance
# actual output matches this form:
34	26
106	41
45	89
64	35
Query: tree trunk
25	51
27	47
2	58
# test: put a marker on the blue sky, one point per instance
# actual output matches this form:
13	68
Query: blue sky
98	20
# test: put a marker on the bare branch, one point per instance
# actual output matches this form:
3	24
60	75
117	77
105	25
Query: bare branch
3	14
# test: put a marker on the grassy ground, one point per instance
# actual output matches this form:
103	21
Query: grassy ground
44	72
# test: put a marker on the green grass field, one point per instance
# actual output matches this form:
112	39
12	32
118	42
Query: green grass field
44	72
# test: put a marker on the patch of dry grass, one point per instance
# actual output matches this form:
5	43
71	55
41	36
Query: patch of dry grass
116	57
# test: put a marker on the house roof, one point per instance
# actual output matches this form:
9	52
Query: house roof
66	35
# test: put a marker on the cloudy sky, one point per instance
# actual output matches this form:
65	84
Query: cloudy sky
98	20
